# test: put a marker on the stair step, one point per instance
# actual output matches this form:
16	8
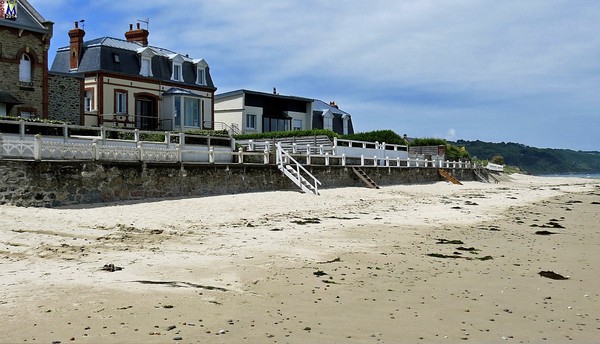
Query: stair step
448	176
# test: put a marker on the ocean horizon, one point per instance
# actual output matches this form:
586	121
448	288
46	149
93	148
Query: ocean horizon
591	175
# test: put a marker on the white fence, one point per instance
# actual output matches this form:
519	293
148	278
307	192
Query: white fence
495	167
66	142
42	141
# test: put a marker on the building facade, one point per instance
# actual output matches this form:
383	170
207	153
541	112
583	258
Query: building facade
24	42
330	117
129	83
256	112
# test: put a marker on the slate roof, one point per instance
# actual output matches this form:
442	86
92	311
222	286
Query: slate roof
319	105
99	55
27	18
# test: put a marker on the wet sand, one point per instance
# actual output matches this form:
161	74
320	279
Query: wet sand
402	264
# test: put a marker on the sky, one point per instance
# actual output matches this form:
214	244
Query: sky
496	71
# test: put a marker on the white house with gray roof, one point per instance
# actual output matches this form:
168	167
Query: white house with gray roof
131	84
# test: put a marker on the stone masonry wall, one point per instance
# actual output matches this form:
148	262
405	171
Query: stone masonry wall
53	184
10	46
65	98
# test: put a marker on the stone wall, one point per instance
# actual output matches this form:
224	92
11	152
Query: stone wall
65	97
12	46
53	184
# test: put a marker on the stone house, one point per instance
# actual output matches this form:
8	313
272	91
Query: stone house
24	42
129	83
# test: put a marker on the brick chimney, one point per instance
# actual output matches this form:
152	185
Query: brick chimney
76	39
138	35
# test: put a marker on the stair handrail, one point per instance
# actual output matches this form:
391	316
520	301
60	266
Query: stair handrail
281	153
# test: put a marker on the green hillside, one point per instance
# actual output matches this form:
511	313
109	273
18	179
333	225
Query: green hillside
536	160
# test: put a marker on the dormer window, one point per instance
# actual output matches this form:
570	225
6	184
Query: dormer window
201	66
177	72
177	67
146	68
146	55
116	58
201	78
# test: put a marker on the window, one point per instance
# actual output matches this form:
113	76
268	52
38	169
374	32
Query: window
25	69
191	112
275	124
120	102
116	58
250	121
328	123
201	78
346	119
87	101
177	72
177	114
146	68
297	124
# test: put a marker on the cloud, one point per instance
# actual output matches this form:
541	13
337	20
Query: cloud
421	65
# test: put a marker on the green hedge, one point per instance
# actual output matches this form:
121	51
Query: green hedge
387	136
283	134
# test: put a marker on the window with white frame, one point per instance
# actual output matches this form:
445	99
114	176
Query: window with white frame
120	102
146	68
328	121
346	120
250	121
25	68
177	71
297	124
201	76
87	101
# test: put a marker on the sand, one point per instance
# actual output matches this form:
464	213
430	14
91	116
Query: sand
436	263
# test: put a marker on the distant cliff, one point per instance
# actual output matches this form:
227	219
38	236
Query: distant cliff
536	160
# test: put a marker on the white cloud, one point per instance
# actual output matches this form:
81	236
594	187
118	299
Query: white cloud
464	61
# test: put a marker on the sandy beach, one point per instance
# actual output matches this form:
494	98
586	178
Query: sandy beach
435	263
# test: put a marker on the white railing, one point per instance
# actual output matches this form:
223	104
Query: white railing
66	142
495	167
283	158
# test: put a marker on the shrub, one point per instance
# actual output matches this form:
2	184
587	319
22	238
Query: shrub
387	136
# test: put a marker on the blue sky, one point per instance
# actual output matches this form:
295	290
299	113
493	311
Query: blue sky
496	71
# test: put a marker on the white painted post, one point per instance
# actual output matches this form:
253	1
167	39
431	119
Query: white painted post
241	155
211	155
96	149
327	159
179	153
321	149
103	134
362	160
37	148
266	154
375	161
343	159
294	148
387	161
140	151
397	162
136	135
308	156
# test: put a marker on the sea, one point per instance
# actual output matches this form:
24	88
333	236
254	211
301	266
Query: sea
575	175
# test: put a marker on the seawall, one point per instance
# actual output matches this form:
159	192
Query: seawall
66	183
